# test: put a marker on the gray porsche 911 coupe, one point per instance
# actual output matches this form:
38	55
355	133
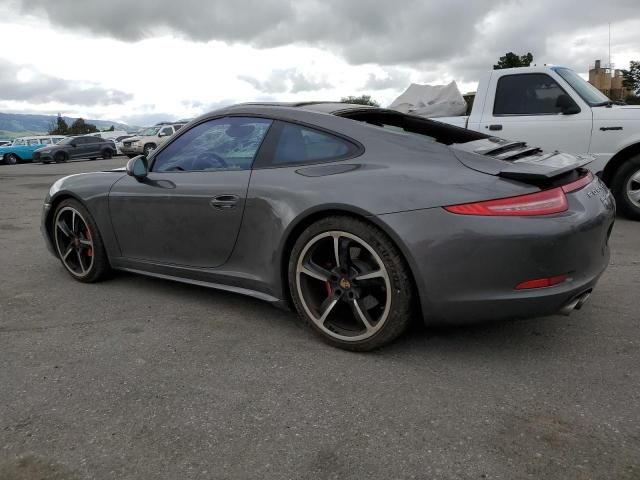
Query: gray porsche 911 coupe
359	218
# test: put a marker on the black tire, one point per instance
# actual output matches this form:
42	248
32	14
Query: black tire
399	295
11	159
147	148
622	184
60	157
107	153
99	266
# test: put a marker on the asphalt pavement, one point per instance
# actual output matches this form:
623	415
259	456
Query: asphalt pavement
139	378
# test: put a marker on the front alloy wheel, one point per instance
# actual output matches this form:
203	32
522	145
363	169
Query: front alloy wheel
350	284
78	242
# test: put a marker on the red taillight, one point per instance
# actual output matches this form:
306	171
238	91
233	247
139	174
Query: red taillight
578	184
542	282
538	203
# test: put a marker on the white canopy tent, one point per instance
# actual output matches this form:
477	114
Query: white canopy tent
431	100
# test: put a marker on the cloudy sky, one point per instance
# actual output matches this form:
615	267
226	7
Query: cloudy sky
148	60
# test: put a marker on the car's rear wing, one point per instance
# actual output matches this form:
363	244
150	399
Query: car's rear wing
516	160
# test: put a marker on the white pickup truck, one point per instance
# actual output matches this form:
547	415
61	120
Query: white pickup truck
556	109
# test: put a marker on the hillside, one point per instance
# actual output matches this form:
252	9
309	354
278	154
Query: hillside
16	124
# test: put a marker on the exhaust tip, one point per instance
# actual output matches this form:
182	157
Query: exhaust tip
576	303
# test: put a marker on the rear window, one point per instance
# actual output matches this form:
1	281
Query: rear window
292	144
412	124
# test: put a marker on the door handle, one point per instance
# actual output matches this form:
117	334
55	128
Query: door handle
224	201
495	126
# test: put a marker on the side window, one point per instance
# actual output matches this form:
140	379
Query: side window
167	131
33	141
299	145
177	127
18	142
222	144
527	94
45	141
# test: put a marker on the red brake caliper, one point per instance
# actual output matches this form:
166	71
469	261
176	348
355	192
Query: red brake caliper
329	291
88	236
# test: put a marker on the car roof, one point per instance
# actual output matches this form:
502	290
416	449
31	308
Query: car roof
331	107
37	137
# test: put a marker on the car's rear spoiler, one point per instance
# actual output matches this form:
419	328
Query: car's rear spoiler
516	160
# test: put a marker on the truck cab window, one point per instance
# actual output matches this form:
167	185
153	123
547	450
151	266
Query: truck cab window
527	94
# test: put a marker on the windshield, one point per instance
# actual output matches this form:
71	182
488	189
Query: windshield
588	92
149	131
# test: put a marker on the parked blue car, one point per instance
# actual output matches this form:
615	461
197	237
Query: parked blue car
21	150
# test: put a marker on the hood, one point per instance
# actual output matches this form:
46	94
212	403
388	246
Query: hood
617	112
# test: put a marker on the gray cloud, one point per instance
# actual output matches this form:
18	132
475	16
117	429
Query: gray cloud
285	80
42	88
460	37
394	78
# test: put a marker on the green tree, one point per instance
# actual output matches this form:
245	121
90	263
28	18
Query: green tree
631	78
60	127
80	127
110	129
361	100
511	60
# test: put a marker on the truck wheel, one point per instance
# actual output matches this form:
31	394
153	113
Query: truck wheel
147	149
626	188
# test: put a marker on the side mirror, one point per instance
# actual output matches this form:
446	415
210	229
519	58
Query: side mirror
162	135
566	105
137	167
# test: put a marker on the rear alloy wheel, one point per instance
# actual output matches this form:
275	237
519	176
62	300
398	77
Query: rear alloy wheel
60	157
78	242
626	188
11	159
350	284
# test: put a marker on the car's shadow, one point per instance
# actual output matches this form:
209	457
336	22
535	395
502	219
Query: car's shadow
538	336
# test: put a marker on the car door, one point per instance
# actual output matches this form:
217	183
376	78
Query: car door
189	208
524	107
94	146
32	145
77	148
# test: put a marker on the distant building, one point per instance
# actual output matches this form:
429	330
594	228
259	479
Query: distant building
610	85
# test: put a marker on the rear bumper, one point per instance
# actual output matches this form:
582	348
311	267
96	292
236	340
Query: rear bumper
466	267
